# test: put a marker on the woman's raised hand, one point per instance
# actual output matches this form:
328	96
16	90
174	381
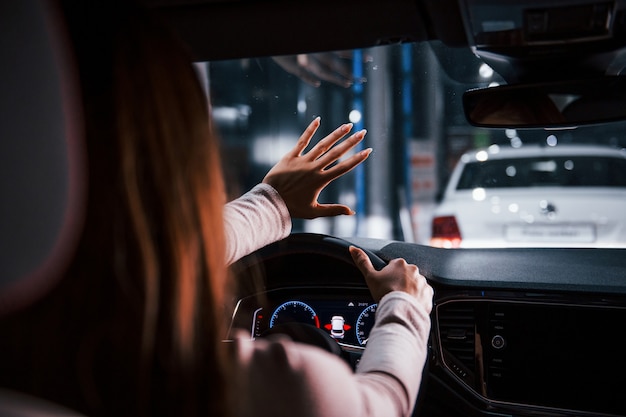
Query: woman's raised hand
300	177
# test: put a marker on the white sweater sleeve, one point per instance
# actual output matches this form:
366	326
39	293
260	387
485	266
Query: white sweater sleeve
257	218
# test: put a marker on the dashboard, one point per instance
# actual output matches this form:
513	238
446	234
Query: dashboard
515	332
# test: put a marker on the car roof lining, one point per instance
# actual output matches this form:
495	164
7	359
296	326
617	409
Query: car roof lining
256	28
279	27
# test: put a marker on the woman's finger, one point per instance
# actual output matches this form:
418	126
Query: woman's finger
340	150
361	260
305	138
347	165
325	144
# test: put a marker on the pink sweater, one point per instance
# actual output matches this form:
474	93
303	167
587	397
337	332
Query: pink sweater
283	378
257	218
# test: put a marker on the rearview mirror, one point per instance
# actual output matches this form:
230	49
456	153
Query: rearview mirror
547	105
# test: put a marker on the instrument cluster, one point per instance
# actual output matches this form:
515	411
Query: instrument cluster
347	315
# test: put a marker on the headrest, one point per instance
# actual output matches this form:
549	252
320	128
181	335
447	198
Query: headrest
41	192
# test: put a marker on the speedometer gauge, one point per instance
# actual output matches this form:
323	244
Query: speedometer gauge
364	324
294	311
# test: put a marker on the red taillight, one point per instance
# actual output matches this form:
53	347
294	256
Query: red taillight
445	232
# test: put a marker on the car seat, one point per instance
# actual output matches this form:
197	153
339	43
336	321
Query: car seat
40	171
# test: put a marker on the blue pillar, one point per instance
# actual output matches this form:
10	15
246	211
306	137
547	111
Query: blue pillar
357	104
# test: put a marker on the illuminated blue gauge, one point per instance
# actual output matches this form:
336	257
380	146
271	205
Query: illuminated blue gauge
294	311
364	324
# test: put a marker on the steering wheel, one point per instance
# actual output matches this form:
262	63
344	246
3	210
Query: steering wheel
308	245
296	250
311	243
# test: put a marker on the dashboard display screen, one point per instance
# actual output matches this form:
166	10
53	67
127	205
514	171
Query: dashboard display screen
556	355
347	316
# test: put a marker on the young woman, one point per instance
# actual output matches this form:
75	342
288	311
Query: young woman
135	326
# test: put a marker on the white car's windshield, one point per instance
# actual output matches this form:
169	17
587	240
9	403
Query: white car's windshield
409	98
538	171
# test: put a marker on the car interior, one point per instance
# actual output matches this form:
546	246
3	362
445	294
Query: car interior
516	331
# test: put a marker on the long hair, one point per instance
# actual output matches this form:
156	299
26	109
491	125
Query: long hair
136	325
173	195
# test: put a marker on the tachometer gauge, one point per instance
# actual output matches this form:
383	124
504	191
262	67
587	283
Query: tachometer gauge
364	324
294	311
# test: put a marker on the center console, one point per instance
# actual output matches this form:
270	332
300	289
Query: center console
549	354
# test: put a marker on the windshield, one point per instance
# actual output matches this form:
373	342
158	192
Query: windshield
409	98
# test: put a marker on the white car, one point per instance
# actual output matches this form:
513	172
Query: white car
337	327
534	196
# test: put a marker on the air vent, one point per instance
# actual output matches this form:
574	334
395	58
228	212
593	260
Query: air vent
457	328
